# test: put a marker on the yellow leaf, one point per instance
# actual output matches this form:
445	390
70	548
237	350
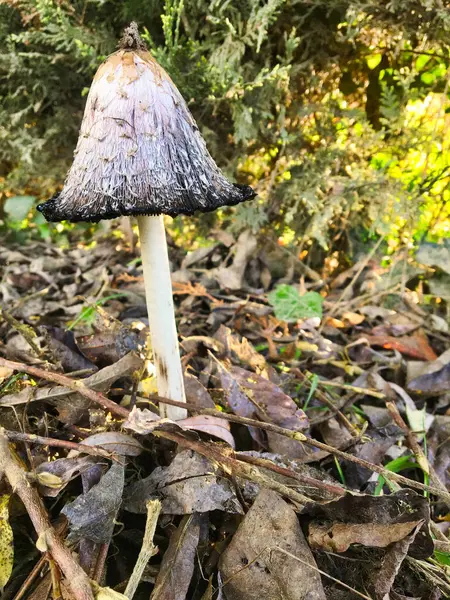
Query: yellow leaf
306	346
353	318
41	542
148	386
49	480
6	543
373	60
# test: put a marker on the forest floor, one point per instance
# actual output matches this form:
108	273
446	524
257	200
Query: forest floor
314	462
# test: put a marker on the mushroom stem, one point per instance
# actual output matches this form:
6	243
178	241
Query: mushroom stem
161	314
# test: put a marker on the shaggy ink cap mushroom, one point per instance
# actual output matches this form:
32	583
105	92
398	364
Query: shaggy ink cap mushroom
139	151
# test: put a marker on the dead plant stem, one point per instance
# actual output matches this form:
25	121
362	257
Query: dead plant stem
148	549
48	539
31	438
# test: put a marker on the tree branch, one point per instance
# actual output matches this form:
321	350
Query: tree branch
48	539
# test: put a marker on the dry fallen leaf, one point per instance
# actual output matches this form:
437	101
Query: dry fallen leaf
253	568
191	483
93	515
338	537
178	561
6	543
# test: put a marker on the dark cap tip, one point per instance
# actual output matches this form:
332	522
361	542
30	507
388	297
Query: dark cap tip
131	40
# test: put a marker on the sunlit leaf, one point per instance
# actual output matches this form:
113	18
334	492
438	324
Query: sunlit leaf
373	61
428	78
421	61
6	543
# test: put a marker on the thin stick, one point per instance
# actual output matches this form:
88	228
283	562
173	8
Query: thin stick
31	577
31	438
100	562
230	464
147	550
303	479
75	385
315	568
300	437
48	539
352	388
122	412
161	314
322	397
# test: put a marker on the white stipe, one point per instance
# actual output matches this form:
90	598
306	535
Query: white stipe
161	315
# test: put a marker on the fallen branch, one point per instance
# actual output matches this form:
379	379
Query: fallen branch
75	385
300	437
122	412
31	438
226	459
48	539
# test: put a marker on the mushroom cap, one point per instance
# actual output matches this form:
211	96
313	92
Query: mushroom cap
139	150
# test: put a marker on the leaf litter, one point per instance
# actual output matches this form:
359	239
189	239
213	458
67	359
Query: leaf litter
315	459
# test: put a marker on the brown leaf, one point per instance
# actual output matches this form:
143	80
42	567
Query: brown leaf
402	507
191	483
416	345
434	376
251	395
270	403
215	426
253	569
145	421
383	578
338	537
196	393
115	442
240	350
178	562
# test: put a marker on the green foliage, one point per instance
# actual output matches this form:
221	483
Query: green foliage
334	111
402	463
290	306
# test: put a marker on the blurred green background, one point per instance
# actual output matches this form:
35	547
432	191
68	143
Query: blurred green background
337	112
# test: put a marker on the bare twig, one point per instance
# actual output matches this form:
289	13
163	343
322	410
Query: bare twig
75	385
31	577
304	479
300	437
100	562
307	564
122	412
227	460
148	549
352	388
31	438
322	397
48	539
